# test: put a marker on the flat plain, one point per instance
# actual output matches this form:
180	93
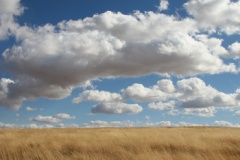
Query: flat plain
173	143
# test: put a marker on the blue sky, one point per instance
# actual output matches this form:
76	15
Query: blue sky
119	63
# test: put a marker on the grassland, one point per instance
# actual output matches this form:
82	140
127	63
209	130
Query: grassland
185	143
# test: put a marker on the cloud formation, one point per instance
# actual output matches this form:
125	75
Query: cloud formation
50	61
190	96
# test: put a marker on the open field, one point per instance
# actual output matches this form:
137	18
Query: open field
185	143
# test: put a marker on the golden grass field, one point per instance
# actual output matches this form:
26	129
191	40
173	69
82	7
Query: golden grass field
177	143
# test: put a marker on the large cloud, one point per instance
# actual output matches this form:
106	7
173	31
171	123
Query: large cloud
216	14
50	61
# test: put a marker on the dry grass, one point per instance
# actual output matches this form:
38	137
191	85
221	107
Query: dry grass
121	143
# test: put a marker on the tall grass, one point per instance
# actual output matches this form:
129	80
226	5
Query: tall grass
186	143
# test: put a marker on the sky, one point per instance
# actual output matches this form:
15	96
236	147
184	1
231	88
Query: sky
119	63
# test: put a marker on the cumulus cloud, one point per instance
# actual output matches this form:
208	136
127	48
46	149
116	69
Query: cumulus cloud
97	96
216	14
50	61
163	5
140	93
51	119
116	108
192	95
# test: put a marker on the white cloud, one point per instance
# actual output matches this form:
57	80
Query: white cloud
61	125
194	93
116	108
31	109
45	119
225	124
9	9
188	93
162	105
165	85
64	116
165	123
202	112
138	92
234	50
97	96
188	124
163	5
51	119
214	14
35	126
99	123
237	113
110	45
105	45
3	125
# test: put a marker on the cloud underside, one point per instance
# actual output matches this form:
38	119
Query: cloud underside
50	61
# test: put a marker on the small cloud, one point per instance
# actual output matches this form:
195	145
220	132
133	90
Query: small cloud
64	116
51	119
116	108
31	109
45	119
163	5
